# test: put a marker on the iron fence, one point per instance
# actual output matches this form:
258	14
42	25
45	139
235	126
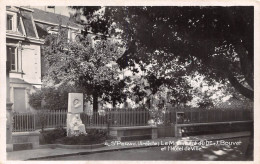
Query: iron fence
118	118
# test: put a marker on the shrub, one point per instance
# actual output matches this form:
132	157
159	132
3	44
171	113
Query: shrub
50	137
35	99
97	134
53	98
58	135
93	136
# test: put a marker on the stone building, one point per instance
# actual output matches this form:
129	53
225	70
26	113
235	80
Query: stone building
23	50
26	29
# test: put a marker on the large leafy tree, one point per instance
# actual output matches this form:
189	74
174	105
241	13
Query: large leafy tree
89	65
215	41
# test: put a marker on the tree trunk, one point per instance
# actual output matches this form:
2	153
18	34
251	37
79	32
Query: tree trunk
95	102
114	103
239	87
247	63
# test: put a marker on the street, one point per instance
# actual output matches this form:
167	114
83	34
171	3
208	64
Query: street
223	152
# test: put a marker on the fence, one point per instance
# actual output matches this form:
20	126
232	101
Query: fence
196	115
52	119
117	118
33	121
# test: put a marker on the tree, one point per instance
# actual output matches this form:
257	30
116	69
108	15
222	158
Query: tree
144	85
216	41
88	65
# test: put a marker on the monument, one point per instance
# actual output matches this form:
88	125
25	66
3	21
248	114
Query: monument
75	126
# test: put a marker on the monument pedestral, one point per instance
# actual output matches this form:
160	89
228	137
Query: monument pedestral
75	126
9	120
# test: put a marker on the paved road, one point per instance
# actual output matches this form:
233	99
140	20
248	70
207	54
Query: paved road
223	151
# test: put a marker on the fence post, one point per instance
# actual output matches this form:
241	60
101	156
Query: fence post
134	118
34	122
27	122
144	117
221	118
137	118
207	115
199	114
20	121
235	115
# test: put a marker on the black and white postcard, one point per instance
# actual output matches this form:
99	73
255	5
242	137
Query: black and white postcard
126	81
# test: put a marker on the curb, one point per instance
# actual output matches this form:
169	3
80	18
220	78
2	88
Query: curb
92	152
53	146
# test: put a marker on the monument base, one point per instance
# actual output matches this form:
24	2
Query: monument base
75	126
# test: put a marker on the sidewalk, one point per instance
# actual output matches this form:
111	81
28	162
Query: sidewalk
40	154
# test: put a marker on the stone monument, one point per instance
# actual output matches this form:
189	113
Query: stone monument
75	107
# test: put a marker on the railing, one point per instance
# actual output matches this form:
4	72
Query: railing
196	115
32	121
23	122
118	118
52	119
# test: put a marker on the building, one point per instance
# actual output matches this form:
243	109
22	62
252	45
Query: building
23	50
26	29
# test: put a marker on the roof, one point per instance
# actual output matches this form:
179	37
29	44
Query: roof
42	29
54	18
26	29
28	23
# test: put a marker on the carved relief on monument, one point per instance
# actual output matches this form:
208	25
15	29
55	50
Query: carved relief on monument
75	126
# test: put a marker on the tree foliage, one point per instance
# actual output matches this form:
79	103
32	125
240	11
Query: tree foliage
35	99
89	65
51	98
215	41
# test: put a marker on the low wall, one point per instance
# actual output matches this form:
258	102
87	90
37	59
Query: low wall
25	140
166	131
133	133
212	128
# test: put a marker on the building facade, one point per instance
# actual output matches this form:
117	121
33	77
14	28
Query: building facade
23	51
26	29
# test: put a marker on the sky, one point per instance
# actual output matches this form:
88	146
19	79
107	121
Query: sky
63	10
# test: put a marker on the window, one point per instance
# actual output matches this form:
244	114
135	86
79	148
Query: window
12	57
9	22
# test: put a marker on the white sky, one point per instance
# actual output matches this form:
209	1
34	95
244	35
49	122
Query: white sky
63	10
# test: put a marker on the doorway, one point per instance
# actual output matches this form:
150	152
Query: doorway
19	100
